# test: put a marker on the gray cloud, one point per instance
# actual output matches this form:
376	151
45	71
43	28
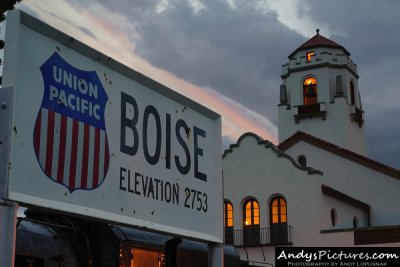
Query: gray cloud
371	34
239	52
383	136
236	52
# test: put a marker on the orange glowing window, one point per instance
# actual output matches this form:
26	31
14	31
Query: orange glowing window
228	214
309	55
278	210
145	257
310	91
251	213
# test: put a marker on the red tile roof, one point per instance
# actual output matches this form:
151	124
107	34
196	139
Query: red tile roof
377	235
339	151
318	41
329	191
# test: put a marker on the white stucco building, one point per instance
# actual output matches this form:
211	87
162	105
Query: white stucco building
320	95
317	187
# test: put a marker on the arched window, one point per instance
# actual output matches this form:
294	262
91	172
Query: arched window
302	160
251	221
333	217
310	91
251	213
355	222
309	56
228	222
352	94
228	214
278	210
279	226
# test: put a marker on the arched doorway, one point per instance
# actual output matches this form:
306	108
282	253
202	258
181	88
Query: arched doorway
310	91
278	215
228	222
251	223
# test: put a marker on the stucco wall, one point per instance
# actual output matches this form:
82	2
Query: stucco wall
378	190
256	170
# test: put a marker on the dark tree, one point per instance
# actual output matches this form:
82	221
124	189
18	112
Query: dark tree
6	5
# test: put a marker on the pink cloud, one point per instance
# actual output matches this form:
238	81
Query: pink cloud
114	36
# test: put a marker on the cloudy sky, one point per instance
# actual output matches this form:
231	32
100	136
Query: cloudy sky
227	54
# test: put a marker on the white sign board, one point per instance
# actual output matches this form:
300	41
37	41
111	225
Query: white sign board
92	137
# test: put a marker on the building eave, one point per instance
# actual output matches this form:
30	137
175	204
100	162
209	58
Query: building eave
268	145
339	151
318	66
329	191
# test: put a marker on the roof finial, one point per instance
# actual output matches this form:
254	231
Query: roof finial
317	31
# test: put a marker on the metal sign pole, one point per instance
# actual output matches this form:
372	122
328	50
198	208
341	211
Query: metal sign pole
8	220
215	255
8	209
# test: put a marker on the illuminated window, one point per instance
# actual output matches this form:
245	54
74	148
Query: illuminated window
352	97
278	210
228	222
278	218
310	91
251	213
309	55
228	214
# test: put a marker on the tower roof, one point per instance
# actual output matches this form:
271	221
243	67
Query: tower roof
319	41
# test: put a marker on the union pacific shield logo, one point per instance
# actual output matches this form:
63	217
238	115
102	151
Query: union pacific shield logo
70	138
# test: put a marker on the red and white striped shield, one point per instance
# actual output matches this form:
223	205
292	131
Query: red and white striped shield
70	139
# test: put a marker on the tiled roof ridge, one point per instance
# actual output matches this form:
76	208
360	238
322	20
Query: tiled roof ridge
327	190
318	40
340	151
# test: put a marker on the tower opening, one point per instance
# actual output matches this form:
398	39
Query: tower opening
310	91
352	96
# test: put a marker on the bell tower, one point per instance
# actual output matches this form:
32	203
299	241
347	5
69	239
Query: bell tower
319	95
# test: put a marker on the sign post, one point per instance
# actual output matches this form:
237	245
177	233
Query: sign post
88	136
215	255
8	222
8	209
